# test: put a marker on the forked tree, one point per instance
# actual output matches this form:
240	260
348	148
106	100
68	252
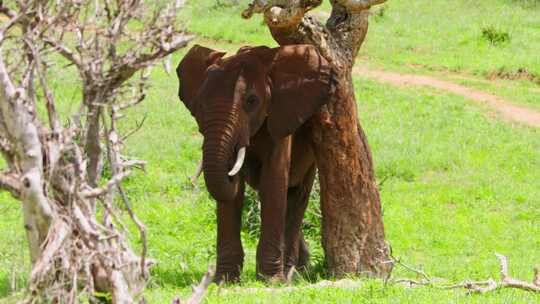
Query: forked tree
55	164
353	231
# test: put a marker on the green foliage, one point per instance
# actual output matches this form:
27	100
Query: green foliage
105	297
495	36
251	220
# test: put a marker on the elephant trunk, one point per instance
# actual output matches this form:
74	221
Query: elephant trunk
219	156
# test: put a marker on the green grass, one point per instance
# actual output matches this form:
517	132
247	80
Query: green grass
426	37
434	34
443	35
458	185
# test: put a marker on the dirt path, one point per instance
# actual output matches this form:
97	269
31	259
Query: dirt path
507	110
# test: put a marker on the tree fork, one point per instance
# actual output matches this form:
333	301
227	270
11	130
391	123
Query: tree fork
353	230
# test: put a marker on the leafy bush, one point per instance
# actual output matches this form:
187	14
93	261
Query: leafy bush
251	215
495	36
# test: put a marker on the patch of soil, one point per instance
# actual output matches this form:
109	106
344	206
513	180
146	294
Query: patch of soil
507	110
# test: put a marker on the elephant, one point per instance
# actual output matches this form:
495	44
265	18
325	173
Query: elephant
254	109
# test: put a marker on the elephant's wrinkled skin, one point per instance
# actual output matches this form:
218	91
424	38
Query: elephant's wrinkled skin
257	99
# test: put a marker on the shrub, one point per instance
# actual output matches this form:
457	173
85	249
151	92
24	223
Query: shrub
495	36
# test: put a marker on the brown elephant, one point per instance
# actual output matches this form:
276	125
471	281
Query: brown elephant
252	109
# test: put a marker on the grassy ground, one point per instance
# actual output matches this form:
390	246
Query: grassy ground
458	185
427	37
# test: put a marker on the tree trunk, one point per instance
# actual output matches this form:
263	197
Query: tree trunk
353	230
37	211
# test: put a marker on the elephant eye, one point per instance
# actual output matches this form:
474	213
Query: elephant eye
251	102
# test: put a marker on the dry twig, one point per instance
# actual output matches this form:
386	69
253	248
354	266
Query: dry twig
199	291
480	287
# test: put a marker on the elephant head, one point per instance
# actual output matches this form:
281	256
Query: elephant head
232	98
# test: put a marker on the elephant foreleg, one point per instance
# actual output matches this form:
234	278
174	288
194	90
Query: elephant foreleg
296	251
273	195
230	255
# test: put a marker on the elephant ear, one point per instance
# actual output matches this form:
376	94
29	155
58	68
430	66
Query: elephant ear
302	81
191	73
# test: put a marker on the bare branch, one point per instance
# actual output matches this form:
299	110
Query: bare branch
139	125
113	155
111	184
422	273
476	287
65	52
15	18
198	173
280	14
284	17
142	231
200	290
7	11
261	6
255	7
509	282
6	84
39	67
10	182
58	234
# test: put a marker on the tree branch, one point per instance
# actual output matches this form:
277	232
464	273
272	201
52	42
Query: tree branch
11	182
359	5
284	17
338	41
279	13
65	52
7	11
475	287
199	291
111	184
509	282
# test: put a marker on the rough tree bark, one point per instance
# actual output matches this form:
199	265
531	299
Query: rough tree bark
353	231
55	168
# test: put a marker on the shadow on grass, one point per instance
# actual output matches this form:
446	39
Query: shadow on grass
186	278
316	272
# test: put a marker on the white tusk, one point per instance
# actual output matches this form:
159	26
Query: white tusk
239	162
197	173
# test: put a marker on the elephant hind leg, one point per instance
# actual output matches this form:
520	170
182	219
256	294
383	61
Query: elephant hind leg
296	250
